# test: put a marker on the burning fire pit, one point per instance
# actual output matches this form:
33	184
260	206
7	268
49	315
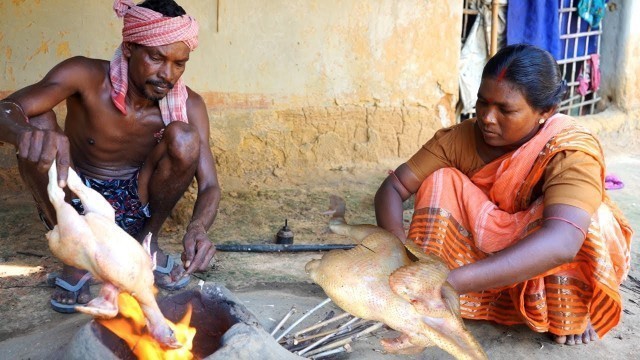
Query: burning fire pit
225	329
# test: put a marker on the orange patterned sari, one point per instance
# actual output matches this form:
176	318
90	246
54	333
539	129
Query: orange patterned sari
463	220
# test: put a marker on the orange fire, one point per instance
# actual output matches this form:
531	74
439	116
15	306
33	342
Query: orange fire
130	325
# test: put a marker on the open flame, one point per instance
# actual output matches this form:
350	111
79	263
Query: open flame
130	325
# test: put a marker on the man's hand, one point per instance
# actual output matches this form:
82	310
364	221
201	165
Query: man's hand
42	147
198	249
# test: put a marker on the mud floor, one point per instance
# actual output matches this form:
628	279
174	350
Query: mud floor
270	284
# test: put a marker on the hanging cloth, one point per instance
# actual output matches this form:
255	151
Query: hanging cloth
592	11
589	76
534	22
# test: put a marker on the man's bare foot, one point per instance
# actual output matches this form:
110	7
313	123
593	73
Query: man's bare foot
586	337
72	276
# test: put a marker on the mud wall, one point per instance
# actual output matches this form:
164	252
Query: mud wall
620	53
291	85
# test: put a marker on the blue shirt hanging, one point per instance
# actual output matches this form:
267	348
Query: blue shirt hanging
534	22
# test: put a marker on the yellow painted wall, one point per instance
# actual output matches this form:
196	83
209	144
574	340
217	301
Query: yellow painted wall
291	85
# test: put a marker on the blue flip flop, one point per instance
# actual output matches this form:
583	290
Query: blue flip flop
75	289
166	270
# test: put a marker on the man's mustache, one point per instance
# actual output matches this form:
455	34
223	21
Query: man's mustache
160	83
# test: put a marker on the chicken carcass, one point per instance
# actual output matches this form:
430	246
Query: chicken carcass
376	280
95	243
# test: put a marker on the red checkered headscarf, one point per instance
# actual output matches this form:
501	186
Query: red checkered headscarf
149	28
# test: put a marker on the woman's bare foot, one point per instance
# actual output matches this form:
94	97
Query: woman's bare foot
400	345
586	337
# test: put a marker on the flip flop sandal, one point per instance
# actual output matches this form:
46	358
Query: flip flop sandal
52	276
75	289
166	270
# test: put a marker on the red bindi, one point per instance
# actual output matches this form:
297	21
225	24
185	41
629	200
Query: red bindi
501	74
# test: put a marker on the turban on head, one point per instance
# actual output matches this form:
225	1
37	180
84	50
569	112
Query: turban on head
149	28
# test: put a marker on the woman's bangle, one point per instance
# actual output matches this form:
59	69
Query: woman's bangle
568	222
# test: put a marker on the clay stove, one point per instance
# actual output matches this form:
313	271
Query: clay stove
225	329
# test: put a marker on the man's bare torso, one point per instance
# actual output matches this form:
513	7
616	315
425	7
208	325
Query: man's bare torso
104	143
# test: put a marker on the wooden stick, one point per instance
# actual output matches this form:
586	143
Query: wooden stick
289	341
321	324
28	253
294	345
345	325
495	5
218	16
303	317
354	329
337	331
345	348
346	341
291	312
297	341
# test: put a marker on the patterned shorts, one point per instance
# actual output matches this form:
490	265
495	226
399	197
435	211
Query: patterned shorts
131	215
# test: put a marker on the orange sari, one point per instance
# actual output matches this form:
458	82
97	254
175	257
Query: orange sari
463	220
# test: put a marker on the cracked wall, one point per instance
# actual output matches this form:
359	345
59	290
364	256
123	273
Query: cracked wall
619	55
292	86
295	141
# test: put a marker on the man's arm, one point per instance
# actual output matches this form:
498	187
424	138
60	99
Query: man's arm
198	248
42	144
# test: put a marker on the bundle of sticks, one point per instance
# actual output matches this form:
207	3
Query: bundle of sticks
333	335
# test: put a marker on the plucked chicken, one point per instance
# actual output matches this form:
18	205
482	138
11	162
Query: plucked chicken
95	243
376	280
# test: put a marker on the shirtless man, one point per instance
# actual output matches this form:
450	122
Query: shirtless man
133	132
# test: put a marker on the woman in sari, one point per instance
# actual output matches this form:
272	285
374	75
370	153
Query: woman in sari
514	202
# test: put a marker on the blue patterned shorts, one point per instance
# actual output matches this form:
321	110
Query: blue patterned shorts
131	215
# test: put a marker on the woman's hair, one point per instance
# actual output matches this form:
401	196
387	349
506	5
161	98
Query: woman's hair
532	70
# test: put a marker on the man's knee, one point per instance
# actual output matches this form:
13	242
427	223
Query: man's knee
183	143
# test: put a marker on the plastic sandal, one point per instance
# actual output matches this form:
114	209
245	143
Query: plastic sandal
166	270
75	289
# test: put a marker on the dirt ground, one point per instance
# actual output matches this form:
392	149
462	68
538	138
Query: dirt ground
270	284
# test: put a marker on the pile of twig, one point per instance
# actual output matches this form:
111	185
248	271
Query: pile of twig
324	338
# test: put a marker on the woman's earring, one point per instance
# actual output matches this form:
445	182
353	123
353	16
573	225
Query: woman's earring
541	121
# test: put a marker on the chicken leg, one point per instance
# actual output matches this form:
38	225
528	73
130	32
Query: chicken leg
376	280
94	242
